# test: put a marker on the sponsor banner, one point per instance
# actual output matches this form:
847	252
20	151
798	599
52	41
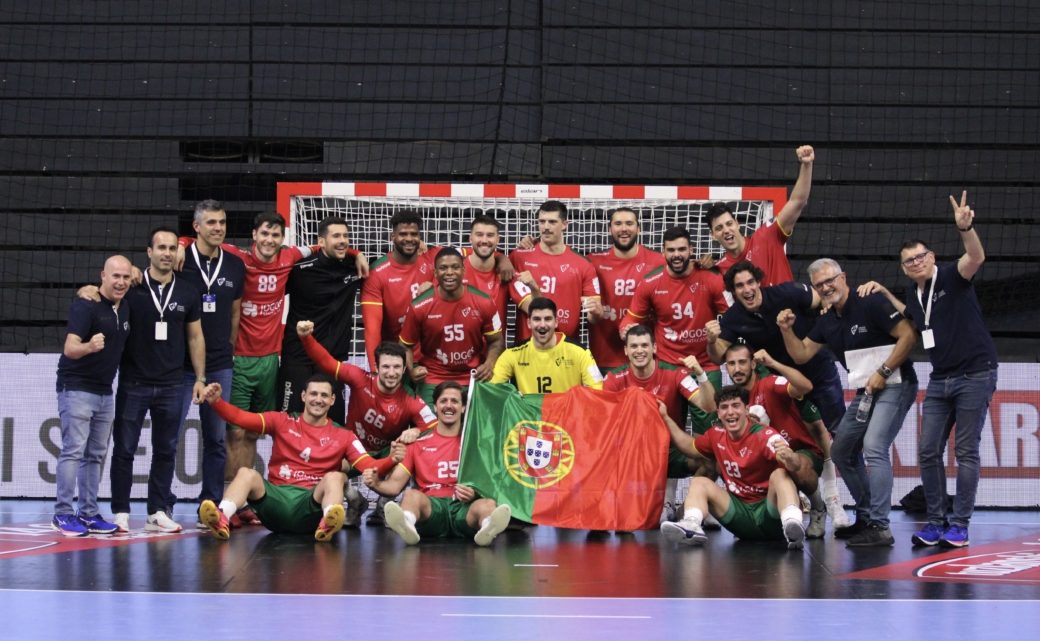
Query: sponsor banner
1016	561
30	438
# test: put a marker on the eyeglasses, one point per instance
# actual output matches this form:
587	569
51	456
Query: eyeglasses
827	283
916	259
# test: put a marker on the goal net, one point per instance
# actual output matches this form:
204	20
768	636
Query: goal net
447	209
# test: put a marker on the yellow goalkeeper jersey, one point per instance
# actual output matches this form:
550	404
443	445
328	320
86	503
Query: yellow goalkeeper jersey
547	371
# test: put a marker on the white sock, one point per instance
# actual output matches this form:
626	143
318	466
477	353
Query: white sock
816	502
693	516
325	510
410	517
829	480
791	513
228	508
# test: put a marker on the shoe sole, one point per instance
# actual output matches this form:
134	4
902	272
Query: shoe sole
795	535
923	543
943	543
155	527
70	534
209	516
333	523
675	533
499	520
395	520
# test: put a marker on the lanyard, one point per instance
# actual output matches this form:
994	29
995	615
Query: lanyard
160	303
208	278
931	290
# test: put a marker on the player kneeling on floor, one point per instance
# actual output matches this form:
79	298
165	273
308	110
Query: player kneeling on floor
303	492
760	500
439	508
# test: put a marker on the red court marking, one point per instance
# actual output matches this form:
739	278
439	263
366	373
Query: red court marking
31	539
1016	561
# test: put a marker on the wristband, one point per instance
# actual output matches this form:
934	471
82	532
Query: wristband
702	377
970	227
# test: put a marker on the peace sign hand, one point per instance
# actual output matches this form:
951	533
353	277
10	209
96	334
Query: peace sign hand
963	215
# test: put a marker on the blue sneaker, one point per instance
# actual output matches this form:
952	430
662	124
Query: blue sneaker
955	536
97	525
69	525
929	535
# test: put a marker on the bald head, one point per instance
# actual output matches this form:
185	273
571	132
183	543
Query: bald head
115	278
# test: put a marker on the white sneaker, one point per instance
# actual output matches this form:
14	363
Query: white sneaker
394	518
122	522
816	528
667	513
795	535
837	512
497	522
356	506
159	522
684	532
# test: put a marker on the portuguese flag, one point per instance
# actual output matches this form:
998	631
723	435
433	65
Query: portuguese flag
584	459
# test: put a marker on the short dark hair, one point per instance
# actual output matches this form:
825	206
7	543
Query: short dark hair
541	303
323	226
640	330
730	392
320	378
619	210
742	266
158	230
715	211
484	219
550	206
389	348
405	217
447	385
272	218
735	347
675	232
203	206
913	242
447	252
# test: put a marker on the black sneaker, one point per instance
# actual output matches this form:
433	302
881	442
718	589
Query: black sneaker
872	536
850	531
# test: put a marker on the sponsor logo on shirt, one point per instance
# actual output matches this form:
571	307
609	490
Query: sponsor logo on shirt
396	280
857	329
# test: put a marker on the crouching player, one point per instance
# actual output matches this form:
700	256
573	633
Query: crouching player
303	492
439	508
760	500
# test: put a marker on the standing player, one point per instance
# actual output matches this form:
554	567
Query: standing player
96	333
484	266
562	275
683	298
547	363
619	269
323	289
303	491
765	246
453	329
759	500
438	507
219	276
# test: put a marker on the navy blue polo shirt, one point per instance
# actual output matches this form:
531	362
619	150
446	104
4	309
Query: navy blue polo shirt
962	342
227	287
94	372
863	322
759	330
147	361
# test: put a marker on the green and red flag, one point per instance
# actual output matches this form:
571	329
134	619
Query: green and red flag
584	459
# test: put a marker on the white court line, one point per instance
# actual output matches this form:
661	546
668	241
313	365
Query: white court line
535	565
546	616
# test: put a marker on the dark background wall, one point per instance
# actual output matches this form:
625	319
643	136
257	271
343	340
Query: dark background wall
116	116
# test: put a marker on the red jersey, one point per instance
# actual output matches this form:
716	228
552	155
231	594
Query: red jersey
263	300
448	336
746	463
563	278
375	417
302	453
784	415
386	295
673	385
433	462
618	278
490	284
682	306
765	249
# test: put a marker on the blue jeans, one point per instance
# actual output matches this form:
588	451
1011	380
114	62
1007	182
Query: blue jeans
213	453
86	424
829	397
962	400
854	441
164	403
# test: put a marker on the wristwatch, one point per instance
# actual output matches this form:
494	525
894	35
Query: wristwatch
884	370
